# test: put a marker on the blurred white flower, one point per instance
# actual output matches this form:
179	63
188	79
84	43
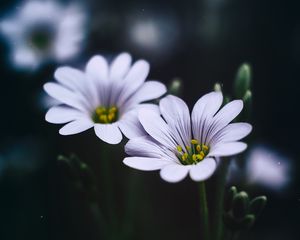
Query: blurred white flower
268	168
42	31
264	166
104	96
179	144
153	34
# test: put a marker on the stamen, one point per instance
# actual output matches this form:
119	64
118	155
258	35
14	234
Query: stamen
193	154
105	115
179	148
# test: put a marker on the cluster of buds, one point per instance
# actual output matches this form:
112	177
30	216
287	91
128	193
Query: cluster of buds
241	212
81	176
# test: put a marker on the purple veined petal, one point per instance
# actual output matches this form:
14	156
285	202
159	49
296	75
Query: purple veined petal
134	79
109	133
63	114
177	115
203	170
227	149
77	81
144	163
157	128
203	112
130	125
120	67
232	132
70	77
66	96
148	91
174	172
224	117
145	146
97	68
77	126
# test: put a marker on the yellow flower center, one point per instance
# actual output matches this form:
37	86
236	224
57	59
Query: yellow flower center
194	153
106	114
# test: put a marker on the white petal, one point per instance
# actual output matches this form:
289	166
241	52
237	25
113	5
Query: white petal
76	126
131	126
203	170
11	27
70	77
232	132
109	133
174	172
203	112
120	66
144	146
134	79
148	91
156	127
97	68
62	114
144	163
225	116
177	115
65	96
227	149
26	57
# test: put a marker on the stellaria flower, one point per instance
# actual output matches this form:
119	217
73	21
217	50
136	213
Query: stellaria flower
104	97
44	30
268	168
179	144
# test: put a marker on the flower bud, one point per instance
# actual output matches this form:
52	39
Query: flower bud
175	88
217	87
229	198
240	205
257	205
242	80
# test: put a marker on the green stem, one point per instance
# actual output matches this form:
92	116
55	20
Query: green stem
106	162
131	203
218	207
204	211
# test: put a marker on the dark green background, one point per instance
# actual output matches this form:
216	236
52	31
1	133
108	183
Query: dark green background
264	33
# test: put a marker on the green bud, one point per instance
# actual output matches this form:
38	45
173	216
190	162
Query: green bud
247	222
229	198
240	205
66	165
175	87
257	205
248	96
217	87
242	80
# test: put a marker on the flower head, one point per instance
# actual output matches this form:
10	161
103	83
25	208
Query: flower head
44	30
106	97
268	168
179	144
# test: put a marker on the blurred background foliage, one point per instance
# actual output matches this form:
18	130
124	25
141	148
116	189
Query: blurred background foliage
201	42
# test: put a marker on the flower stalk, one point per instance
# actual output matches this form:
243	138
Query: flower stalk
204	214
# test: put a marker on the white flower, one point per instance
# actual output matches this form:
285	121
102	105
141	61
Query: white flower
104	97
268	168
44	30
179	144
